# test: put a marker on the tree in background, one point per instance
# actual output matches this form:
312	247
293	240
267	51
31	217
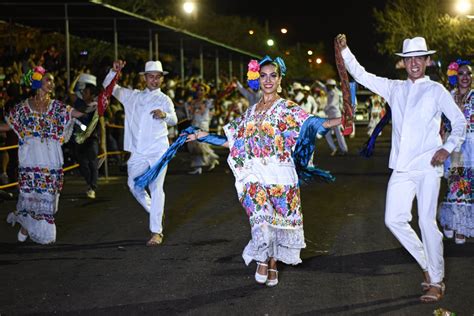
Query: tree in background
452	37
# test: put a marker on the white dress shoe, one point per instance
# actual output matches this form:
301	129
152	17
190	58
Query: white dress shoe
196	171
261	278
21	236
459	240
448	233
272	282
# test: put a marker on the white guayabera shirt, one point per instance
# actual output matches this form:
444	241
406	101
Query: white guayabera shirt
416	117
144	134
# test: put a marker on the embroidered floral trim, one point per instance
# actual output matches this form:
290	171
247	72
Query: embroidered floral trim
40	180
272	135
48	125
49	218
275	204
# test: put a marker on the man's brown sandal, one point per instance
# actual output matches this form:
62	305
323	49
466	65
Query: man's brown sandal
155	240
431	296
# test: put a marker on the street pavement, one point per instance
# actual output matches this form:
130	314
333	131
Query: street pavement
352	265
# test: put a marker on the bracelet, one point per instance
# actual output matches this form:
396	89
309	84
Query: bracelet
163	115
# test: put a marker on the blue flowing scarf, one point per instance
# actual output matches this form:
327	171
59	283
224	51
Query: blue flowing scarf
305	146
150	175
368	148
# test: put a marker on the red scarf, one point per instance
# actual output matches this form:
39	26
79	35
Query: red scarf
104	96
347	114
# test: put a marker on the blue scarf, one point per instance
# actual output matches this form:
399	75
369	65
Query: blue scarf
369	146
305	146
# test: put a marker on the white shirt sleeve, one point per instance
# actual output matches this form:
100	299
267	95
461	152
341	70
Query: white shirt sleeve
122	94
379	85
456	117
171	119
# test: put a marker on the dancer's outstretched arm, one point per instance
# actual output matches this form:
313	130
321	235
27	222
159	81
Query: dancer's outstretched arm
332	122
206	137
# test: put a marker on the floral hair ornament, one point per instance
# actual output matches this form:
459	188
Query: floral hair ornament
253	73
453	70
33	77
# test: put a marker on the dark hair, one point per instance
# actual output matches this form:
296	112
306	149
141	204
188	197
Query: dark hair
93	89
273	63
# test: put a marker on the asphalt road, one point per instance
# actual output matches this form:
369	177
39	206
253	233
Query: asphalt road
100	266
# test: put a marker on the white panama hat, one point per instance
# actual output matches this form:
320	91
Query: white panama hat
87	78
415	47
331	82
297	86
153	66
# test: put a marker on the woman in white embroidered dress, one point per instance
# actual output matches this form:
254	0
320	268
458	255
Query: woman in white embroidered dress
200	110
456	213
42	125
261	144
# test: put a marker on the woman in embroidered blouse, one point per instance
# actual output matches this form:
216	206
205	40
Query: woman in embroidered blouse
200	111
456	212
262	157
42	125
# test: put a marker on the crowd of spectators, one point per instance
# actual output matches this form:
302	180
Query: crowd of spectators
227	99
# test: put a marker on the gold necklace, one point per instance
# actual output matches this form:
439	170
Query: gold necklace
461	99
41	104
263	106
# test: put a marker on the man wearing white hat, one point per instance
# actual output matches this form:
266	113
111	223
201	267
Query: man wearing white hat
86	140
333	109
148	114
417	154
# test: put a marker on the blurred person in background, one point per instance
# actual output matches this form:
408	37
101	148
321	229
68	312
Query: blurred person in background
456	213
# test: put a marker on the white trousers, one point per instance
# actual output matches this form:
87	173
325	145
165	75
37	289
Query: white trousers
402	189
155	204
340	139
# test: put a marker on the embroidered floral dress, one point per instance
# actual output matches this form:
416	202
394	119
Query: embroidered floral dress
40	165
260	157
456	211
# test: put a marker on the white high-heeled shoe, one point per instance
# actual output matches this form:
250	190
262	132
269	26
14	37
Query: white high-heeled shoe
21	236
261	278
11	219
272	282
196	171
459	240
448	233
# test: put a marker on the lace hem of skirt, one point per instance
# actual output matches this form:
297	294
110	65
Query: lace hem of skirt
38	204
458	217
269	242
40	231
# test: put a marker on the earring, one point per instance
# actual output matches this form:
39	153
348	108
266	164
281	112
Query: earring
279	89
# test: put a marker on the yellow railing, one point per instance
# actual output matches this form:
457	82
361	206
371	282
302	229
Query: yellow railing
74	166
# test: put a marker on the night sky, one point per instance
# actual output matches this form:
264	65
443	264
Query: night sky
304	24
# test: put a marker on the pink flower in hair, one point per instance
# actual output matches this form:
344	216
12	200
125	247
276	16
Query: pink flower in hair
453	66
254	66
39	69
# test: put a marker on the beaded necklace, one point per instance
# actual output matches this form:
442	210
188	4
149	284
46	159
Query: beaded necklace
461	99
40	108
